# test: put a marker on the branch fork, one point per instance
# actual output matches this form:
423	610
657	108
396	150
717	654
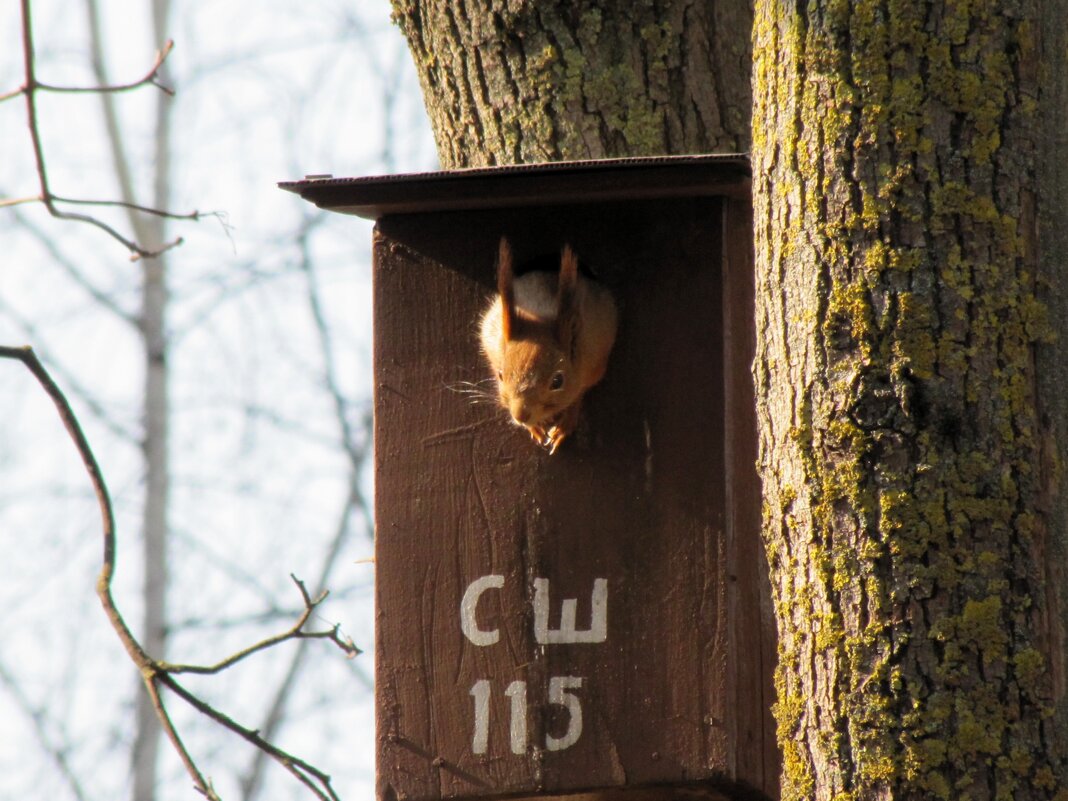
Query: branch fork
156	673
29	89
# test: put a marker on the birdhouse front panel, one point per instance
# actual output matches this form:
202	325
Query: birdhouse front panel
551	622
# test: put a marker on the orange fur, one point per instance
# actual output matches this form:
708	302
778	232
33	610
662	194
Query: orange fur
547	337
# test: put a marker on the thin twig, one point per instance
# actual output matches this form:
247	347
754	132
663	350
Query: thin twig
150	78
298	767
19	201
155	672
202	784
193	216
295	632
49	199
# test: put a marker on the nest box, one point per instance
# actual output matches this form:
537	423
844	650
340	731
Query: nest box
594	620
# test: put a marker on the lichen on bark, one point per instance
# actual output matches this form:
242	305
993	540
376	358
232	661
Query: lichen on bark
894	164
517	81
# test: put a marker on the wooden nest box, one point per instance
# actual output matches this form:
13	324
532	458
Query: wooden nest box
594	620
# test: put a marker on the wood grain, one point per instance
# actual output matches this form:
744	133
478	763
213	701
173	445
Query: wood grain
678	693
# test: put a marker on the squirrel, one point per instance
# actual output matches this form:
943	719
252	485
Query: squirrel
547	338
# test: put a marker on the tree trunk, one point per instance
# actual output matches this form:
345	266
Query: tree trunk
909	445
906	467
519	81
1052	368
152	328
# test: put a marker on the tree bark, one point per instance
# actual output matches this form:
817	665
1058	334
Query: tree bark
906	291
1052	369
517	81
906	464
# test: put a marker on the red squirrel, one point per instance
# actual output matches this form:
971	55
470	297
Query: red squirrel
547	337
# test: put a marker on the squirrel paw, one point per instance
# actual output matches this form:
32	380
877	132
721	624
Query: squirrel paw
537	433
555	436
562	426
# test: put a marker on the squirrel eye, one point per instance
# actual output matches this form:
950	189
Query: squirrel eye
557	381
500	375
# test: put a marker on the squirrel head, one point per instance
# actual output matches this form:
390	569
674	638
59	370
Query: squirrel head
536	366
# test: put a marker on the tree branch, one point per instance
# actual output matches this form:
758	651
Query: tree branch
306	773
156	672
47	197
150	78
295	632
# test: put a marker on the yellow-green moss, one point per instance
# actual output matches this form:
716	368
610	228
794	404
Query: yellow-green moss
796	767
934	497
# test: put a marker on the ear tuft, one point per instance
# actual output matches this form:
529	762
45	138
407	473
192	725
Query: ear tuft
505	289
565	297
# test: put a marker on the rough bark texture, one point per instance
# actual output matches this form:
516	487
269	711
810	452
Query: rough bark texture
1052	182
907	470
521	81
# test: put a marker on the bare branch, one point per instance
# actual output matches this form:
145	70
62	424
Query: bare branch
276	711
304	771
295	632
203	785
150	78
19	201
155	672
49	199
193	216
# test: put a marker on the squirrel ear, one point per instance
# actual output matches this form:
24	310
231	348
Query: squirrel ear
565	297
505	289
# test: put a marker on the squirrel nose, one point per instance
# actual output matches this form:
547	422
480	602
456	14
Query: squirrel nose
520	413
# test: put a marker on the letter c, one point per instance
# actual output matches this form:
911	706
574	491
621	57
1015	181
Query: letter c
468	623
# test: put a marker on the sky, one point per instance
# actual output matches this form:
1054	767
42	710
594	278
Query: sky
265	91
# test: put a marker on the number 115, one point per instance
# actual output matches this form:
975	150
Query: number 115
560	688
